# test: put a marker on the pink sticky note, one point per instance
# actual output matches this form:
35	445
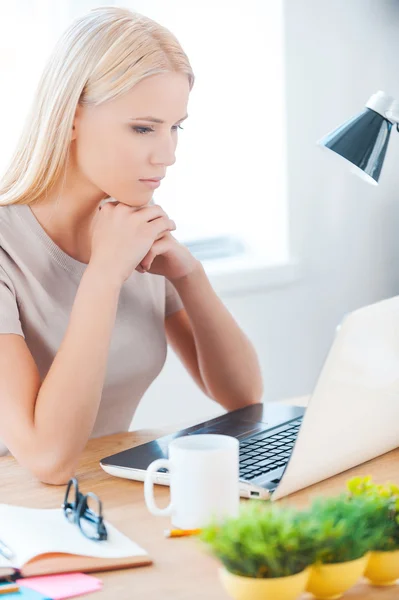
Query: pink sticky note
62	586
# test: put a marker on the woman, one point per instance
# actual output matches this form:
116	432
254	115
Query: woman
92	291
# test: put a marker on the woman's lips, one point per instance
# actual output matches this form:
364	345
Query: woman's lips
151	183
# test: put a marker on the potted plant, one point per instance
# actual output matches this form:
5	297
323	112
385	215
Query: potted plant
345	528
266	552
383	564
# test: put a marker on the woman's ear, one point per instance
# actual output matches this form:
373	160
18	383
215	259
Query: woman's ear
75	122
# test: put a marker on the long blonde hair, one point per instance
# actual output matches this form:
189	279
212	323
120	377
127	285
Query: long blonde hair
100	56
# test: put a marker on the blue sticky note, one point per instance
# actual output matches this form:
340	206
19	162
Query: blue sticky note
24	594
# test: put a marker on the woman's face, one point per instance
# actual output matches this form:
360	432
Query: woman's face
116	145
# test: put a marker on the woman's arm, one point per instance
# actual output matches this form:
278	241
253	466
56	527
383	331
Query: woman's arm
49	423
226	359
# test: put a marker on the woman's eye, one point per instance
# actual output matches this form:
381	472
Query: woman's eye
143	130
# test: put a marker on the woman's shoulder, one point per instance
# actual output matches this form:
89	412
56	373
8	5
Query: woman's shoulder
8	210
12	218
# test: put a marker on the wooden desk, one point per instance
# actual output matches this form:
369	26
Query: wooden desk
181	569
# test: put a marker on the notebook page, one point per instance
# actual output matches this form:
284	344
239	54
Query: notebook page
32	531
4	562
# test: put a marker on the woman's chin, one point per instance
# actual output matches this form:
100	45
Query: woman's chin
133	204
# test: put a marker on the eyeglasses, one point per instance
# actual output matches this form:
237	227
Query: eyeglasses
78	510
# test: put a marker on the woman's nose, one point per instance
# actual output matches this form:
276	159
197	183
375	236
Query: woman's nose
165	153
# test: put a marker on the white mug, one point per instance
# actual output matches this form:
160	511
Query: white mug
204	480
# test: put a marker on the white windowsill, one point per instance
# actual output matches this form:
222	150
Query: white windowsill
232	276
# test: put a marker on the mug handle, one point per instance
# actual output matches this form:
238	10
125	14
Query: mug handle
160	463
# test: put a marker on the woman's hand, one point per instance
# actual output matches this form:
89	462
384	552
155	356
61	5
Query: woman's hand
122	237
169	258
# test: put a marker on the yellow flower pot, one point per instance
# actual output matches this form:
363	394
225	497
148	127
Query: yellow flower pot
383	568
330	581
254	588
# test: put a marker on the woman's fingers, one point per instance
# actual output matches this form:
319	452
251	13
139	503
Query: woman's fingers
157	248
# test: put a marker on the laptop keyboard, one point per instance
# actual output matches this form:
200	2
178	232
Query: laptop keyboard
265	452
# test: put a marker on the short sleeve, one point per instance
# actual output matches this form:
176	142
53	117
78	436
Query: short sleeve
9	313
173	301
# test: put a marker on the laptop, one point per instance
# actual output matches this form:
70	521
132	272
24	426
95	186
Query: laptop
352	416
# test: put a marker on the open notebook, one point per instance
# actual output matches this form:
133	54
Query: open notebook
44	542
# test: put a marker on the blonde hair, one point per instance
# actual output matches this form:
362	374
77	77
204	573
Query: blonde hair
100	56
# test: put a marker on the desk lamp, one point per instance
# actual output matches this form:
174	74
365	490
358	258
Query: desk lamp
363	139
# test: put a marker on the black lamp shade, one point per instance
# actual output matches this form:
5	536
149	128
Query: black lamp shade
362	140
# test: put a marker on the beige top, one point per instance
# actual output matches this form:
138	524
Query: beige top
38	284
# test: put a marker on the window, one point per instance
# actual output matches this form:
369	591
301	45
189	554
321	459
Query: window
227	189
229	179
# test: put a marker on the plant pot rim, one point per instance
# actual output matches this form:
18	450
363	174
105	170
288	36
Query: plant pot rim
249	577
344	562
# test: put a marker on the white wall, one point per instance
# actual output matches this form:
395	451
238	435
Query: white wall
343	231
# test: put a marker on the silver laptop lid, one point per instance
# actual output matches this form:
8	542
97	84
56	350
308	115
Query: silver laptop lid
353	415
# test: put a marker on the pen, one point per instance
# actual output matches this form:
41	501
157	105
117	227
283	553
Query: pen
9	587
5	551
171	533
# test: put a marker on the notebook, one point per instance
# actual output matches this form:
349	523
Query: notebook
44	542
